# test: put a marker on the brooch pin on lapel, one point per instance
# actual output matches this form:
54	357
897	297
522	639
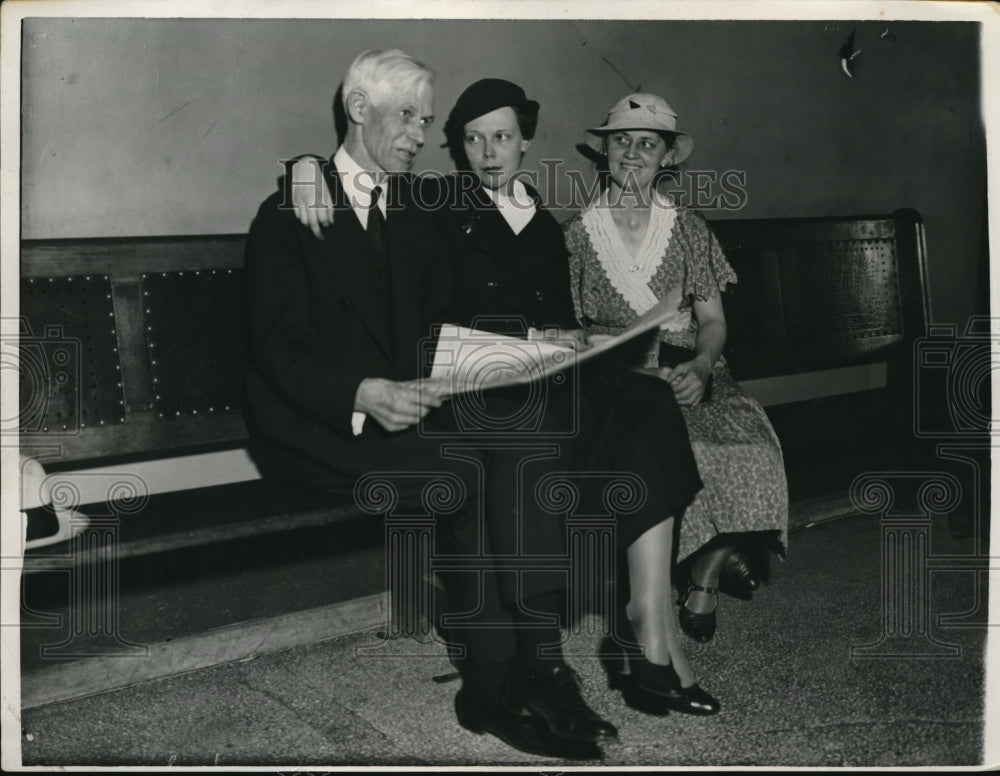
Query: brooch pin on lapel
469	222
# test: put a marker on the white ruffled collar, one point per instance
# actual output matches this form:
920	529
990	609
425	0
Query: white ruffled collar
631	275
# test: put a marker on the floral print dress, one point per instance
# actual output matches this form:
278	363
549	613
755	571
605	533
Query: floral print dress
738	454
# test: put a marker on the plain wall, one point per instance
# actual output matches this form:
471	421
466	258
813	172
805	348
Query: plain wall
169	127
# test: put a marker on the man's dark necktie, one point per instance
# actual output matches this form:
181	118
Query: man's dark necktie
376	227
380	249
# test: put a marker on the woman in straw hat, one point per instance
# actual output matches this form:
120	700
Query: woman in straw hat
631	249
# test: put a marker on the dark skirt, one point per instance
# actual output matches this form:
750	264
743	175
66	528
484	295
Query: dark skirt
623	450
633	426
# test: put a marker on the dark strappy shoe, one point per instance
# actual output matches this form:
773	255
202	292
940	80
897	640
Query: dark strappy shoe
700	627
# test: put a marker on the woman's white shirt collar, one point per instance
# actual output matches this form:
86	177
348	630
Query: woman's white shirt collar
517	207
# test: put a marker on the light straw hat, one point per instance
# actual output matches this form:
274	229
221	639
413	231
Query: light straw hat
642	111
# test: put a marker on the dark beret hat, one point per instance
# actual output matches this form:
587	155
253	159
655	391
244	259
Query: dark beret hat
484	97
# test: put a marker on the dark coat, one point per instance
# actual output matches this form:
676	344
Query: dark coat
496	274
622	421
321	321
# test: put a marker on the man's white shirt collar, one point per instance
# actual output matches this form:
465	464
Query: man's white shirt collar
358	185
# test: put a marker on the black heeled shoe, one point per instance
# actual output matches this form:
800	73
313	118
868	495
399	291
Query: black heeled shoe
613	659
700	627
663	682
736	578
651	688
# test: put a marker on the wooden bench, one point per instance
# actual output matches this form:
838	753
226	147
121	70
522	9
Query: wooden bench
822	326
133	356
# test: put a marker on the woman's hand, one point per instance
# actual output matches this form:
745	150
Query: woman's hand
307	181
688	379
575	338
597	339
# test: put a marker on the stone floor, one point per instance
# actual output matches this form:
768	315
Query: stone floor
799	684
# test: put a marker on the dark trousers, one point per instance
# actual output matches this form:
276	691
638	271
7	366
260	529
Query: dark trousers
499	602
483	607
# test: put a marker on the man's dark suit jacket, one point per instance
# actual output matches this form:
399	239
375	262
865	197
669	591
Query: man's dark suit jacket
322	320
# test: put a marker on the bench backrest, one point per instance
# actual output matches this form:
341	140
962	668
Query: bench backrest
819	293
137	347
132	346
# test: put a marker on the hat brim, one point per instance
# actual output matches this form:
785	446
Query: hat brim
683	143
528	106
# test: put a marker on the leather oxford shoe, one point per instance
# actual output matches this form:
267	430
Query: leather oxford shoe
524	733
551	692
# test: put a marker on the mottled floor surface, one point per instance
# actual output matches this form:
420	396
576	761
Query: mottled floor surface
792	693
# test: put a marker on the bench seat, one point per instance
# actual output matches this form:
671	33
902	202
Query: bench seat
133	354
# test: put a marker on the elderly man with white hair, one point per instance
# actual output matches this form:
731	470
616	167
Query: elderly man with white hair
334	391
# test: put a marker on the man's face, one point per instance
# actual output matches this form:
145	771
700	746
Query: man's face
395	130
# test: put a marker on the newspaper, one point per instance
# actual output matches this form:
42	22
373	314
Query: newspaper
470	360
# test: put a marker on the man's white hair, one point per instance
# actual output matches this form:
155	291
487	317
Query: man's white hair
381	74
